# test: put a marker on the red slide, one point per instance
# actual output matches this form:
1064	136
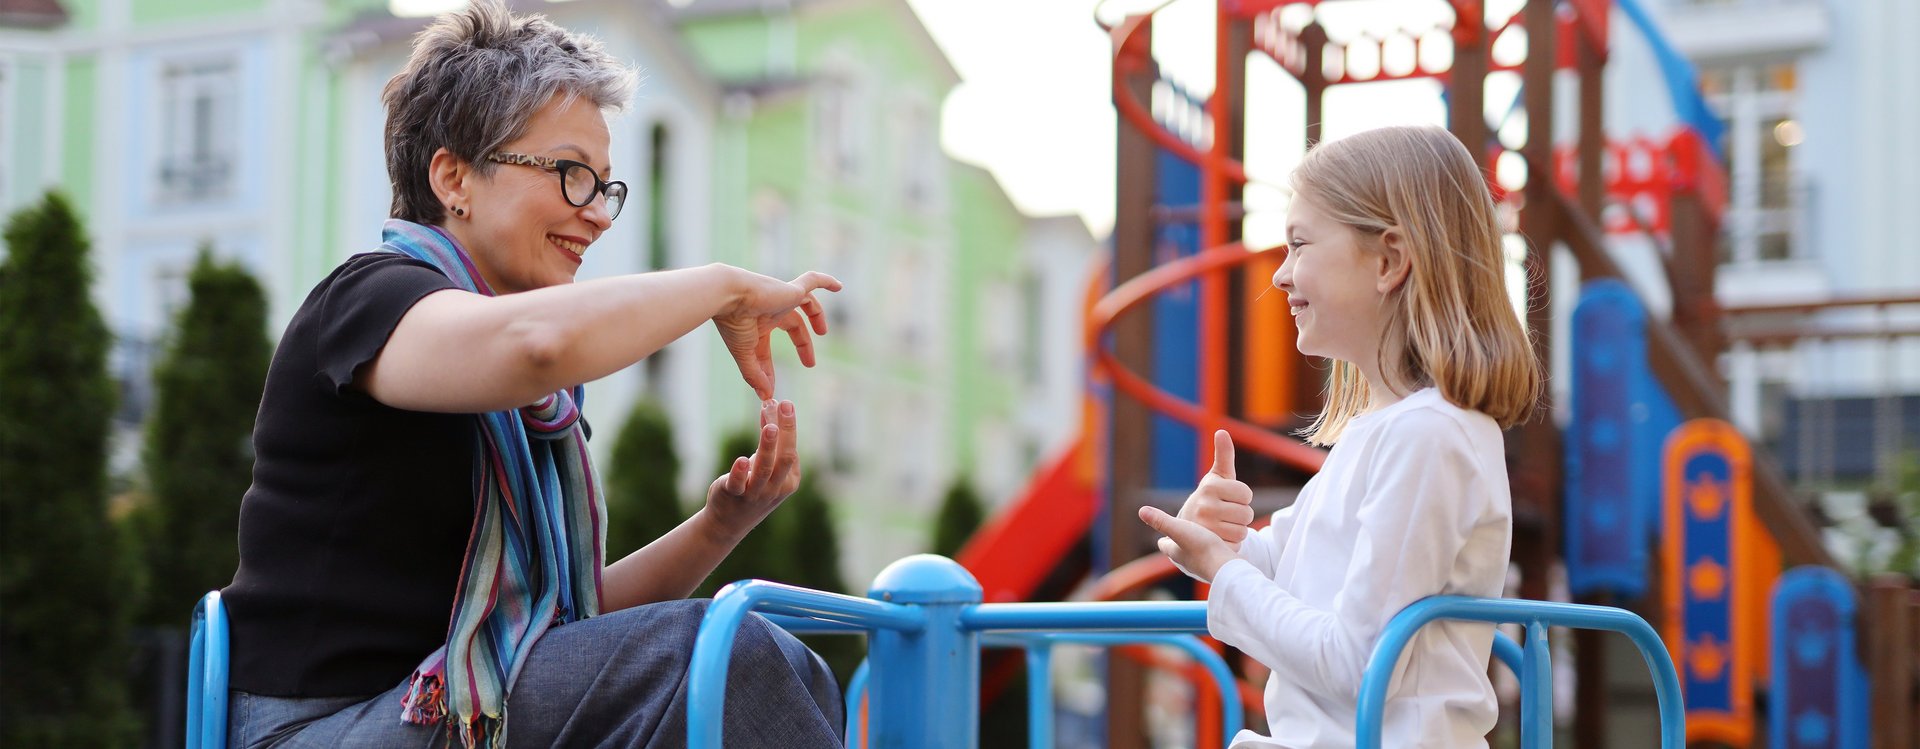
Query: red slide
1022	543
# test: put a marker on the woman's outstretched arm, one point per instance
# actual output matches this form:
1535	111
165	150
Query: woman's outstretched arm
457	352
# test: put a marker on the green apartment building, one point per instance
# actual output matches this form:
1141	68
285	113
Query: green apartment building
779	137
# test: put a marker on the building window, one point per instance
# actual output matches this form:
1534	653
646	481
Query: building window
920	155
909	302
1767	211
1001	312
658	254
841	117
773	233
199	106
6	132
1033	330
843	261
844	431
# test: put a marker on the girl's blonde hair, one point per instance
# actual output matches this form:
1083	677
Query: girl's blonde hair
1461	333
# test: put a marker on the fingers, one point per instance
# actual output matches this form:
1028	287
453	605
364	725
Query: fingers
758	377
768	450
813	279
736	478
763	356
1232	533
1224	489
757	373
816	314
788	422
1182	532
788	460
1222	454
776	462
796	326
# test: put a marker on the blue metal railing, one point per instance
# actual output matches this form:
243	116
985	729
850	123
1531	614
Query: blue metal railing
1039	652
1535	662
1038	648
927	625
207	675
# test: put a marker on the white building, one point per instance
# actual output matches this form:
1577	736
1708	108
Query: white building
1821	103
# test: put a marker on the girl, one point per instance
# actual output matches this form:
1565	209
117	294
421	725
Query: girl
1394	271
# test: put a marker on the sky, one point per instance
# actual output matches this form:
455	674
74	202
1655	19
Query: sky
1035	106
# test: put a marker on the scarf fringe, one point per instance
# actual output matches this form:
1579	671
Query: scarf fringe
426	700
426	704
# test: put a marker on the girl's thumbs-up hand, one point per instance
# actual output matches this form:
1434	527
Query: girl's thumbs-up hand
1198	551
1221	503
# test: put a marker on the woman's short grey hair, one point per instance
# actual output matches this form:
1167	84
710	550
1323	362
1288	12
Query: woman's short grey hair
475	78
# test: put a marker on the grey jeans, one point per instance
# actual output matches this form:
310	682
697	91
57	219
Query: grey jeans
617	680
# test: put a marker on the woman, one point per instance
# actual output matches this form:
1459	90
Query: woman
420	551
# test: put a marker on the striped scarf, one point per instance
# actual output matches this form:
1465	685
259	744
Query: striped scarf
535	552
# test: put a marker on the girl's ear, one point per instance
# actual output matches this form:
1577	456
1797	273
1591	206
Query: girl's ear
1393	263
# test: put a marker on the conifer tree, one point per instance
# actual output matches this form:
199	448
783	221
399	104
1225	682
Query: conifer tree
765	553
199	451
64	570
643	502
961	513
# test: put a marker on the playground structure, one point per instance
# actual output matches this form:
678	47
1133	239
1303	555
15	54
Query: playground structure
1176	349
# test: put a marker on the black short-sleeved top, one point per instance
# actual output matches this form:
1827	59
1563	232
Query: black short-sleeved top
354	531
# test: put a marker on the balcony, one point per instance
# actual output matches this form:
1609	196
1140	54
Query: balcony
1719	29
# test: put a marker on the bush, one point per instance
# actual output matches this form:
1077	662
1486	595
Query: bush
199	451
64	584
796	545
642	500
961	513
765	553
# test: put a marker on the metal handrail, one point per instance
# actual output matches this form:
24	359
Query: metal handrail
1536	700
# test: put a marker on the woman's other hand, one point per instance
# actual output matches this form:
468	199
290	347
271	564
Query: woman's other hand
742	497
761	305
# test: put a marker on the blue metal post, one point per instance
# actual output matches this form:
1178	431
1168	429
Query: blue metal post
1040	695
207	675
926	682
857	692
1536	689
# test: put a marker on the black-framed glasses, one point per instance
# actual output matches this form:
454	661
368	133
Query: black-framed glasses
578	182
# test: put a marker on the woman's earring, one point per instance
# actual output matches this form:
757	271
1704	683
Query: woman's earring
462	212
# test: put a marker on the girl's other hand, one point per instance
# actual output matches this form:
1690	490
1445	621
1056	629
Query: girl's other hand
1221	503
1196	549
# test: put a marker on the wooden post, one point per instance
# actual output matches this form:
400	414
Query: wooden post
1130	425
1591	685
1534	447
1467	82
1232	83
1890	660
1310	381
1313	42
1696	312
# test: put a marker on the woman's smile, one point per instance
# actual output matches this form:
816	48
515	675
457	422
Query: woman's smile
573	248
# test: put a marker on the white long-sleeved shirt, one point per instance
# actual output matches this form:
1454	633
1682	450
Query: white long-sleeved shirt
1412	502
